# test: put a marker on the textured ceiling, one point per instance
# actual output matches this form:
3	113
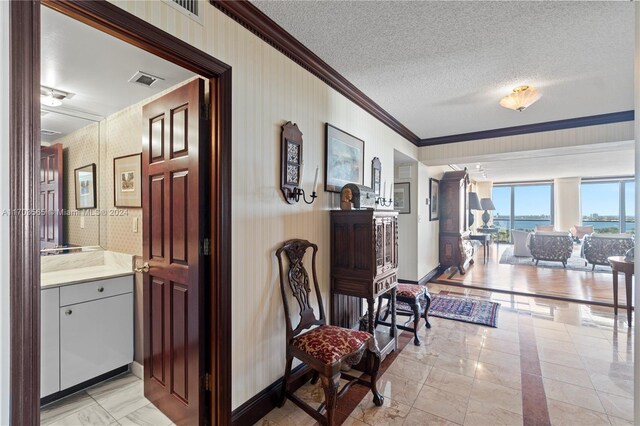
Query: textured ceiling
441	68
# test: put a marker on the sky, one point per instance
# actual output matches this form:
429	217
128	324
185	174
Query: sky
600	198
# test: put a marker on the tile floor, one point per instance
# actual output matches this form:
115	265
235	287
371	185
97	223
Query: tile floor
118	401
549	362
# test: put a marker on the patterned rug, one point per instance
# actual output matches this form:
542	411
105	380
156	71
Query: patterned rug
575	262
464	309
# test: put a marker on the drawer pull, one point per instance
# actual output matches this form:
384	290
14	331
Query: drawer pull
100	289
68	312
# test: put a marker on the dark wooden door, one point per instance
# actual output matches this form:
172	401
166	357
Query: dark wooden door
51	196
175	172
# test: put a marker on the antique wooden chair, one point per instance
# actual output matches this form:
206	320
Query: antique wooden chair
411	300
325	347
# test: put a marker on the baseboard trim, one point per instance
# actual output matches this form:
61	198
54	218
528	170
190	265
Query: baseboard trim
137	370
266	400
424	280
80	386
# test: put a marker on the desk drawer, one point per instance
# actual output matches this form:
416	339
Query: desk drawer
93	290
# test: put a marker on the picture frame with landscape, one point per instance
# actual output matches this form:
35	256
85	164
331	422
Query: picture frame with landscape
434	199
127	185
344	159
402	197
85	185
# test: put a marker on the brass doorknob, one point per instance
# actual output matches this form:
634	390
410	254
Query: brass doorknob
144	268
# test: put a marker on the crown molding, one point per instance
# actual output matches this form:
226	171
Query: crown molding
256	21
592	120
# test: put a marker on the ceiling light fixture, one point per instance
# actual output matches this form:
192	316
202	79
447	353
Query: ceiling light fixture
521	98
49	100
52	97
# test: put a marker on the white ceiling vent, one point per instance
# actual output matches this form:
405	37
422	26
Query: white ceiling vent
144	79
191	8
47	132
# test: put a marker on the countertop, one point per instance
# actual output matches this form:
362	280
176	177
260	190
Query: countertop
78	275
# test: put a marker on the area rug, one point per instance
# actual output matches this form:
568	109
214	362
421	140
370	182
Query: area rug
574	263
465	309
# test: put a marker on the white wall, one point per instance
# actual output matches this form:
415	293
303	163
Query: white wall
566	203
428	249
269	89
407	227
4	219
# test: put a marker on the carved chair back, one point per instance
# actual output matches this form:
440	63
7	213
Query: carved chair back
295	277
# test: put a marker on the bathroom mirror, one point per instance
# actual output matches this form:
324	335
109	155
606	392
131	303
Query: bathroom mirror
69	195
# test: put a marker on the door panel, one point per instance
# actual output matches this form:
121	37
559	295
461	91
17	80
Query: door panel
175	168
51	196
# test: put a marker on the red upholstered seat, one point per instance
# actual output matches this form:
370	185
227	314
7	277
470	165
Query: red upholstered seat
329	343
409	291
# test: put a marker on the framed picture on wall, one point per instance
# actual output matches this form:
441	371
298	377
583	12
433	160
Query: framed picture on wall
85	182
344	159
434	201
402	197
127	188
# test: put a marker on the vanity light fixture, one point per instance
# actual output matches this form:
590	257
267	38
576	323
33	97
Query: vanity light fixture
521	98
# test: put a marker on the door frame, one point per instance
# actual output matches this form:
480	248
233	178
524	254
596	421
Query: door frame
24	156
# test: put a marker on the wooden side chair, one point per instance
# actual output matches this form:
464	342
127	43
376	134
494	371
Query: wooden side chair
411	300
325	347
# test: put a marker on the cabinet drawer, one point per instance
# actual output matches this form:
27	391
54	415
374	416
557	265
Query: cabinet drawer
93	290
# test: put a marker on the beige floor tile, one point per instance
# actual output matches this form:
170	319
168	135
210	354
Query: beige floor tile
585	331
499	358
427	357
553	334
148	415
288	415
483	414
457	365
572	394
498	333
609	355
497	396
351	421
500	345
617	406
113	385
613	369
612	385
559	357
399	388
390	413
410	369
575	376
563	414
557	345
65	407
509	376
125	401
93	415
420	418
617	421
443	404
549	324
450	382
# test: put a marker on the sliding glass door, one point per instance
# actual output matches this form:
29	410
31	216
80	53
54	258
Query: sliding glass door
521	206
609	205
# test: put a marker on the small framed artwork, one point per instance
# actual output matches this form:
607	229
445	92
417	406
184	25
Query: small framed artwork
434	201
85	180
376	176
402	197
127	188
344	159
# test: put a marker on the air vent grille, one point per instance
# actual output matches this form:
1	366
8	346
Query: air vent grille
46	132
190	6
144	79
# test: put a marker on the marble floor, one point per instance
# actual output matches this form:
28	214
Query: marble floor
118	401
547	363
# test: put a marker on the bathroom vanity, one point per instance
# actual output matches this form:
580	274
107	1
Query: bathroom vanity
86	318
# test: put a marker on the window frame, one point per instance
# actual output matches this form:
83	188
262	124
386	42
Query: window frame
621	181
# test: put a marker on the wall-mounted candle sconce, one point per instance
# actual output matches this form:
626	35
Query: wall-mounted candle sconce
291	166
376	183
382	201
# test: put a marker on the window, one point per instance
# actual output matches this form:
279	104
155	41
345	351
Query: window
521	206
609	206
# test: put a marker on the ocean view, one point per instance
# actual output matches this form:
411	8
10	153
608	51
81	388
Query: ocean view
529	225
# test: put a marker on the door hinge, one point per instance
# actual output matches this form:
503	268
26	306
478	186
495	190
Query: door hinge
205	112
206	247
206	382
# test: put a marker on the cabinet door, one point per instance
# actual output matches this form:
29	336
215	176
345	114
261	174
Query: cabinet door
49	341
95	337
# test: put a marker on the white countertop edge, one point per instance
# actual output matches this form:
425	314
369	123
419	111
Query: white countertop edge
81	275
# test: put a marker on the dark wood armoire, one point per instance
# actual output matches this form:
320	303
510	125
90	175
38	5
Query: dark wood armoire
455	248
364	265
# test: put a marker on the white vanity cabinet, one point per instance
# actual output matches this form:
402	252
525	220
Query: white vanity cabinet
94	330
49	341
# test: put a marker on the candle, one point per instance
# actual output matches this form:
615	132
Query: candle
300	179
384	191
315	182
390	191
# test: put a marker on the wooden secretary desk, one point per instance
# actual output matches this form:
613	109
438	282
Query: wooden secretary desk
364	265
455	248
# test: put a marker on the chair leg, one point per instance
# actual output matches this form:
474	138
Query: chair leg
537	262
378	399
330	386
387	311
378	312
593	268
426	312
415	307
285	382
315	377
564	265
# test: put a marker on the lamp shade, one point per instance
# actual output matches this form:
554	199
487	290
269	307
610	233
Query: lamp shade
521	98
487	204
474	201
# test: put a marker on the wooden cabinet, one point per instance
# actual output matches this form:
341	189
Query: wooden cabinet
455	248
87	331
49	341
364	263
